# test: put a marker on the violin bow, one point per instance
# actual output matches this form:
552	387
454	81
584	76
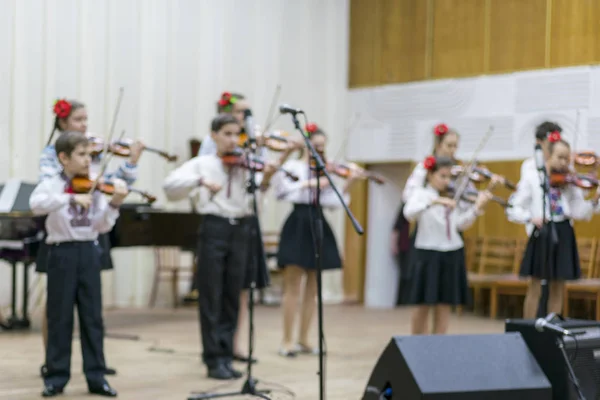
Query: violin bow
271	115
353	121
107	141
464	174
575	136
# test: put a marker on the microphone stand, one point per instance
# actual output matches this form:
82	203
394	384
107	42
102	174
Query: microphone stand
561	345
545	247
249	387
320	168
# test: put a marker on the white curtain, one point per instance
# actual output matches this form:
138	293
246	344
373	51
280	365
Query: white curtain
173	58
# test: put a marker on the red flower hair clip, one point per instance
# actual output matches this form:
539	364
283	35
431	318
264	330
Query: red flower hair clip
429	163
440	129
227	99
62	108
311	127
554	137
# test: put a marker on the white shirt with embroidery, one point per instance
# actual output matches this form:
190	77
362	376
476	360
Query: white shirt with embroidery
567	202
438	227
67	221
232	201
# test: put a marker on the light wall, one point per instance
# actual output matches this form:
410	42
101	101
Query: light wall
173	58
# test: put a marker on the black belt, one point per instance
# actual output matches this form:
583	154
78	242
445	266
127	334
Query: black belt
230	220
74	243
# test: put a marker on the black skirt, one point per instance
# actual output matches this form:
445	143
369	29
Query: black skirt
256	251
560	251
438	277
297	244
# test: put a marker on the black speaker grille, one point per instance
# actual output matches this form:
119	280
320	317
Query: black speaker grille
584	354
587	369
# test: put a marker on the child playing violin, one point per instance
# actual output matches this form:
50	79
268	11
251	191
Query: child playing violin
563	204
438	263
71	116
445	144
236	105
296	245
73	224
227	212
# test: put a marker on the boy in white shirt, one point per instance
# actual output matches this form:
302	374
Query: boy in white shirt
226	209
74	262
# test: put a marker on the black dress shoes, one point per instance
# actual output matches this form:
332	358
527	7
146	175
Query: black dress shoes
220	372
235	374
104	390
110	371
51	391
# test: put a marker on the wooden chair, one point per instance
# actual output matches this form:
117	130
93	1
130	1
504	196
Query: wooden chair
588	287
511	283
496	260
271	243
167	265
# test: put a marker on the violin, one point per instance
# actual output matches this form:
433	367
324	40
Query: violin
122	148
275	140
479	174
344	170
238	158
558	179
470	196
81	184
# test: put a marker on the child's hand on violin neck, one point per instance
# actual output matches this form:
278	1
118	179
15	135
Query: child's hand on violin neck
483	198
136	149
83	199
121	190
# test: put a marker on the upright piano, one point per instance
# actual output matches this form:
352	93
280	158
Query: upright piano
21	233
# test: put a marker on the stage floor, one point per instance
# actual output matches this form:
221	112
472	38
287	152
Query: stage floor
164	364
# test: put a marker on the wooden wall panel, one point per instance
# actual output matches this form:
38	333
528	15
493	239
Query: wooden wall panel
575	36
365	39
355	248
517	35
404	40
458	38
395	41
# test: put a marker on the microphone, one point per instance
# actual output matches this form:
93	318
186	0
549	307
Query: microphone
539	158
287	109
542	325
249	126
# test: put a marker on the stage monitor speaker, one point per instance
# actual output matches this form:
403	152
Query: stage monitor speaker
583	351
458	367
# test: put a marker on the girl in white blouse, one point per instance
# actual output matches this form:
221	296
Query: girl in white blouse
445	144
438	263
296	253
563	204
